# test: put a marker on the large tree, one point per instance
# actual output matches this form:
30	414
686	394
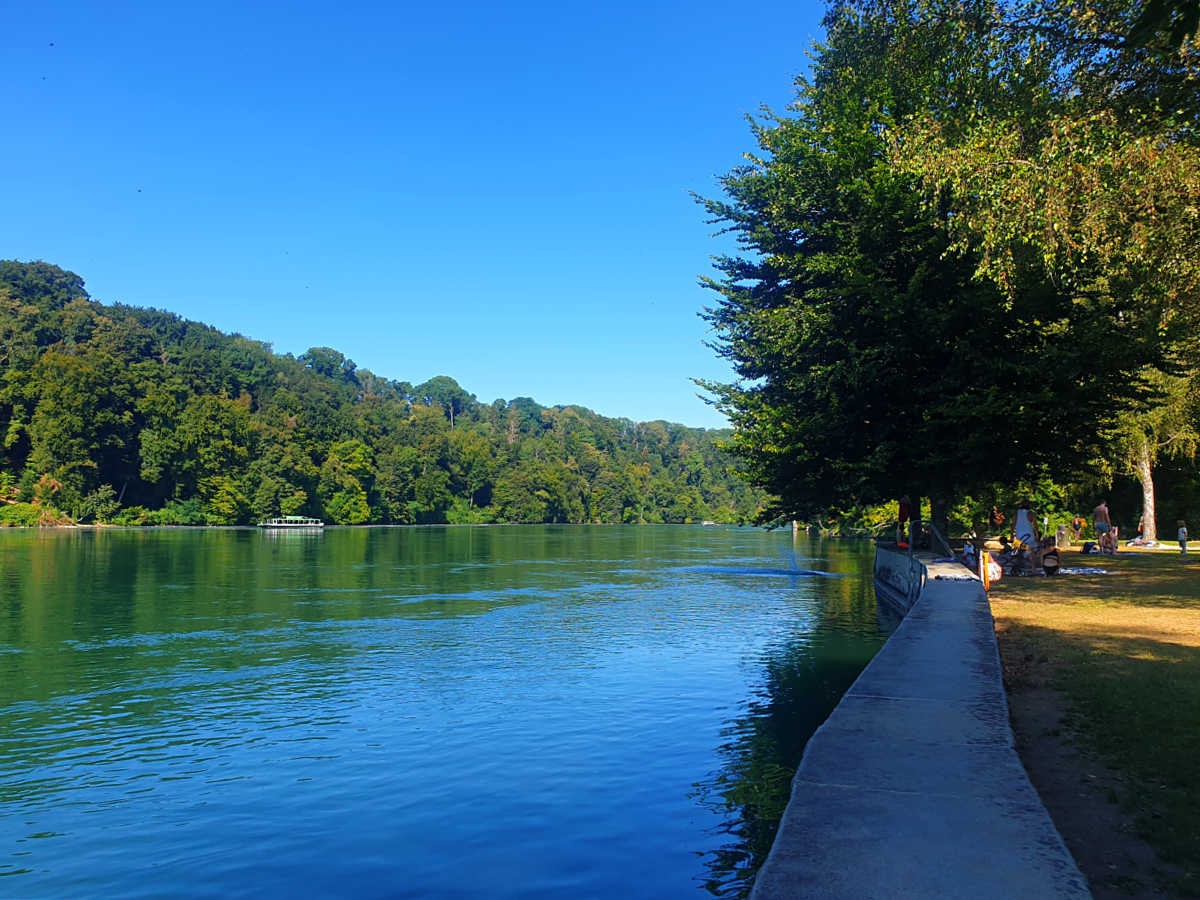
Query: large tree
871	361
1094	177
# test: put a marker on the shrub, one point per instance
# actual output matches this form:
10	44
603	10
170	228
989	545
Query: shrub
20	515
178	512
132	515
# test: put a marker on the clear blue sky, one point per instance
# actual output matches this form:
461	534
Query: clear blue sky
492	191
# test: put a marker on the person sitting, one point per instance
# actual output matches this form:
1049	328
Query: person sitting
1049	556
1108	543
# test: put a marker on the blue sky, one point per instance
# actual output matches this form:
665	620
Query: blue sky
495	192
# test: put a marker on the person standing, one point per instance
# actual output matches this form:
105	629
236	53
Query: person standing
1182	537
1025	534
1101	520
1077	524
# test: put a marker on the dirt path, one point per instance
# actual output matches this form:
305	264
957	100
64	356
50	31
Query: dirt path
1079	792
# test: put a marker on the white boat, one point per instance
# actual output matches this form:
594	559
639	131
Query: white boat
292	522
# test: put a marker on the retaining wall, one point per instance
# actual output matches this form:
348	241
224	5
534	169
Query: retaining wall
912	786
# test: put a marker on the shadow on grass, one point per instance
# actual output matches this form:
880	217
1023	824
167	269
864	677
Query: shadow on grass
1135	701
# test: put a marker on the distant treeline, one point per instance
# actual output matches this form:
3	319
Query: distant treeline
114	413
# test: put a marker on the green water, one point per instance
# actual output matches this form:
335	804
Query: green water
412	712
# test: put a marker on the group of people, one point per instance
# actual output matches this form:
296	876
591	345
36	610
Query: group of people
1107	533
1030	550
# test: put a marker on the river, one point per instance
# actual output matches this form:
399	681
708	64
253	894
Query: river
525	711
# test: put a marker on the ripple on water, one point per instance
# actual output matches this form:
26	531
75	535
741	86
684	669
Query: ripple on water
394	713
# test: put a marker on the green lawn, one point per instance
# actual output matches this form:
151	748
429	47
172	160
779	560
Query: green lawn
1124	649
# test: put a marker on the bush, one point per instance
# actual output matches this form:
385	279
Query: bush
133	515
20	515
178	512
461	514
100	505
31	515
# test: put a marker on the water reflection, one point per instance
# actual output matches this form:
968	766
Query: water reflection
802	680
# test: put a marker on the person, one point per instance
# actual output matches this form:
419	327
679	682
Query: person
1050	557
902	516
1025	533
1182	535
1108	543
1077	524
1101	521
997	518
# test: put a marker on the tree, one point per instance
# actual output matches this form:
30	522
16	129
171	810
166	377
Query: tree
40	283
330	363
871	362
82	425
471	463
444	391
1094	176
346	476
1167	428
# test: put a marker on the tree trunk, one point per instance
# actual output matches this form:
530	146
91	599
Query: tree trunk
1145	475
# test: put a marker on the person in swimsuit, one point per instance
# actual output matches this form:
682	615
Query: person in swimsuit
1100	519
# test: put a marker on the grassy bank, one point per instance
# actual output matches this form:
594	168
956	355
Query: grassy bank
1123	648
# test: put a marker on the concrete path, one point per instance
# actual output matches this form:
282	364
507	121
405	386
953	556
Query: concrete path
912	787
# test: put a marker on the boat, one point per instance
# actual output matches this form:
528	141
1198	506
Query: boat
291	522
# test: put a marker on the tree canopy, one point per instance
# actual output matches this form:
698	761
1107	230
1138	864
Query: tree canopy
874	355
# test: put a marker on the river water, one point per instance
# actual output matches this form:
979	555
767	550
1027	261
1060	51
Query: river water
534	712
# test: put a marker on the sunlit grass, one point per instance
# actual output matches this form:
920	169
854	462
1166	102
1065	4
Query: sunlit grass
1124	648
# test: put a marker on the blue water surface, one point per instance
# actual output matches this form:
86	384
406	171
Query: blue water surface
534	712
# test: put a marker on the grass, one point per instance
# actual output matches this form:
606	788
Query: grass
1124	650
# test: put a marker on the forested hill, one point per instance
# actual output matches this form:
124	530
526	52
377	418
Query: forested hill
113	413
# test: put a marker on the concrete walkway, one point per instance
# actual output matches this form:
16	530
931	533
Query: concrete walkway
912	787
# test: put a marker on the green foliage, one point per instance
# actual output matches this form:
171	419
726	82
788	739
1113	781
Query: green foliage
131	515
462	513
179	512
189	426
100	506
20	515
872	361
349	507
224	501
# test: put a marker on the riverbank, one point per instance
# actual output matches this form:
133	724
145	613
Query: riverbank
1103	676
912	787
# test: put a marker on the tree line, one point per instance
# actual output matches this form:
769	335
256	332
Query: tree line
968	260
119	414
